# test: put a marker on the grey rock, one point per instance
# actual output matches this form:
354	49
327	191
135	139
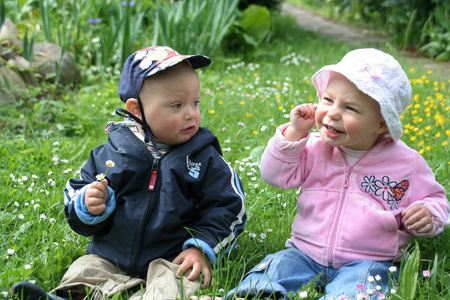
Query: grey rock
45	58
16	83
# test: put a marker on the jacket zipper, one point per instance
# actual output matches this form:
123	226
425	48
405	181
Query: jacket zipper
338	217
341	200
148	208
151	186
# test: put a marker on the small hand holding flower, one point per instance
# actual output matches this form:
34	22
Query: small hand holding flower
96	196
418	218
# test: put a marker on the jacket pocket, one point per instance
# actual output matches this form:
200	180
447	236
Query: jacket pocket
367	229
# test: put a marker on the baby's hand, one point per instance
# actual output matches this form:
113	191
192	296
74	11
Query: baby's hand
418	218
96	196
302	121
194	259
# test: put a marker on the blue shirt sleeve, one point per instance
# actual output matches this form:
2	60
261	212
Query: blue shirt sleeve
203	246
83	213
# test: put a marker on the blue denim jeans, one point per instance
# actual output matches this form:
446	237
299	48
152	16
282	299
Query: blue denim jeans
289	269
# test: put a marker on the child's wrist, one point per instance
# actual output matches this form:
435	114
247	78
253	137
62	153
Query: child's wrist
293	134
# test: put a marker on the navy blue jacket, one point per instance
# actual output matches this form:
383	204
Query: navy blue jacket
197	200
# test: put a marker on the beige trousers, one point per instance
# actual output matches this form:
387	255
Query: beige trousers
103	279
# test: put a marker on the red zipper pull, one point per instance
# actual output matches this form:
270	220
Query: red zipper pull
151	186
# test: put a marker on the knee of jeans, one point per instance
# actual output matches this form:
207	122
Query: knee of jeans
260	270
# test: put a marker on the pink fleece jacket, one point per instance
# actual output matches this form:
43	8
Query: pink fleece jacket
348	213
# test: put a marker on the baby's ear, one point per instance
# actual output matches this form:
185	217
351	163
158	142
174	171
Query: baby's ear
133	107
382	128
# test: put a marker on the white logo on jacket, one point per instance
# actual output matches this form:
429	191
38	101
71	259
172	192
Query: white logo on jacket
193	167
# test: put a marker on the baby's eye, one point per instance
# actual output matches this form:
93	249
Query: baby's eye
351	108
197	103
176	105
327	100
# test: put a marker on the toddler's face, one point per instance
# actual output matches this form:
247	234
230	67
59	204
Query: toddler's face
171	104
348	117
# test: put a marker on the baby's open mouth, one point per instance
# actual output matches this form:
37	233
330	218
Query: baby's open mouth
332	129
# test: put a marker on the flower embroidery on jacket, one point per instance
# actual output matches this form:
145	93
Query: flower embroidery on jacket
390	191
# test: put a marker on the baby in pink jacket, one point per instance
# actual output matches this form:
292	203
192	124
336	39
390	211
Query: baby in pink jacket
364	193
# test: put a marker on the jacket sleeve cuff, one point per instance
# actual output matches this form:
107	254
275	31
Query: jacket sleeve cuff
289	147
83	213
203	246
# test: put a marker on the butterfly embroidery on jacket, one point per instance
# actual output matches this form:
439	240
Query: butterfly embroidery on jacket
391	191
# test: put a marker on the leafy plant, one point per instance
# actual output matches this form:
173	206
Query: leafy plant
255	24
45	11
270	4
408	279
192	26
2	13
131	28
437	32
28	46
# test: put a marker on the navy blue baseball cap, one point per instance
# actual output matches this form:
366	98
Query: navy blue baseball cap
148	61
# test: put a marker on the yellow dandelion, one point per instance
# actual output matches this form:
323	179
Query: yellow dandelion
445	143
255	75
414	112
221	102
278	96
280	107
428	128
255	132
240	79
420	144
438	134
416	105
249	115
440	119
428	148
413	138
429	72
411	70
421	151
211	111
278	85
447	132
242	102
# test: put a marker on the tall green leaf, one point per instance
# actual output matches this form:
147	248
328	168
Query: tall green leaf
408	277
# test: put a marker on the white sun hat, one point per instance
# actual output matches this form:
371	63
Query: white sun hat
378	75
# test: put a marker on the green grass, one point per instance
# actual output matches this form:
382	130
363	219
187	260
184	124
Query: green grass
46	139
